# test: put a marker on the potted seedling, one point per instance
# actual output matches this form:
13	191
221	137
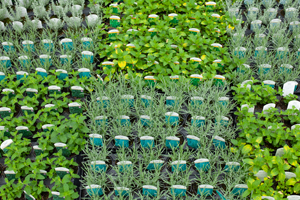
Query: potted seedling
77	91
114	21
10	175
94	190
96	139
24	131
75	108
172	118
205	190
5	61
98	166
219	142
150	80
37	150
65	59
6	144
239	189
5	112
24	61
61	74
62	171
53	89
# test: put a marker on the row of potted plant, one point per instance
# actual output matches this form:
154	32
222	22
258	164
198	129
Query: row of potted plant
108	170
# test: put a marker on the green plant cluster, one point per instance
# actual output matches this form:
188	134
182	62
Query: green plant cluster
164	45
67	128
137	176
261	48
270	140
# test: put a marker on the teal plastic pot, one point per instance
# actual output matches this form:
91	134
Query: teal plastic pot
65	59
193	141
45	60
202	164
122	191
242	69
198	121
264	68
121	141
281	53
103	101
84	72
63	74
87	43
269	83
54	89
124	120
219	142
178	165
2	77
240	52
5	61
205	190
21	76
286	68
239	189
145	120
67	44
147	141
172	101
256	24
24	61
172	142
128	100
223	101
8	47
28	46
155	164
172	118
98	166
48	45
42	72
178	190
149	190
146	100
224	121
260	52
94	190
196	101
101	121
124	166
87	56
96	139
232	167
